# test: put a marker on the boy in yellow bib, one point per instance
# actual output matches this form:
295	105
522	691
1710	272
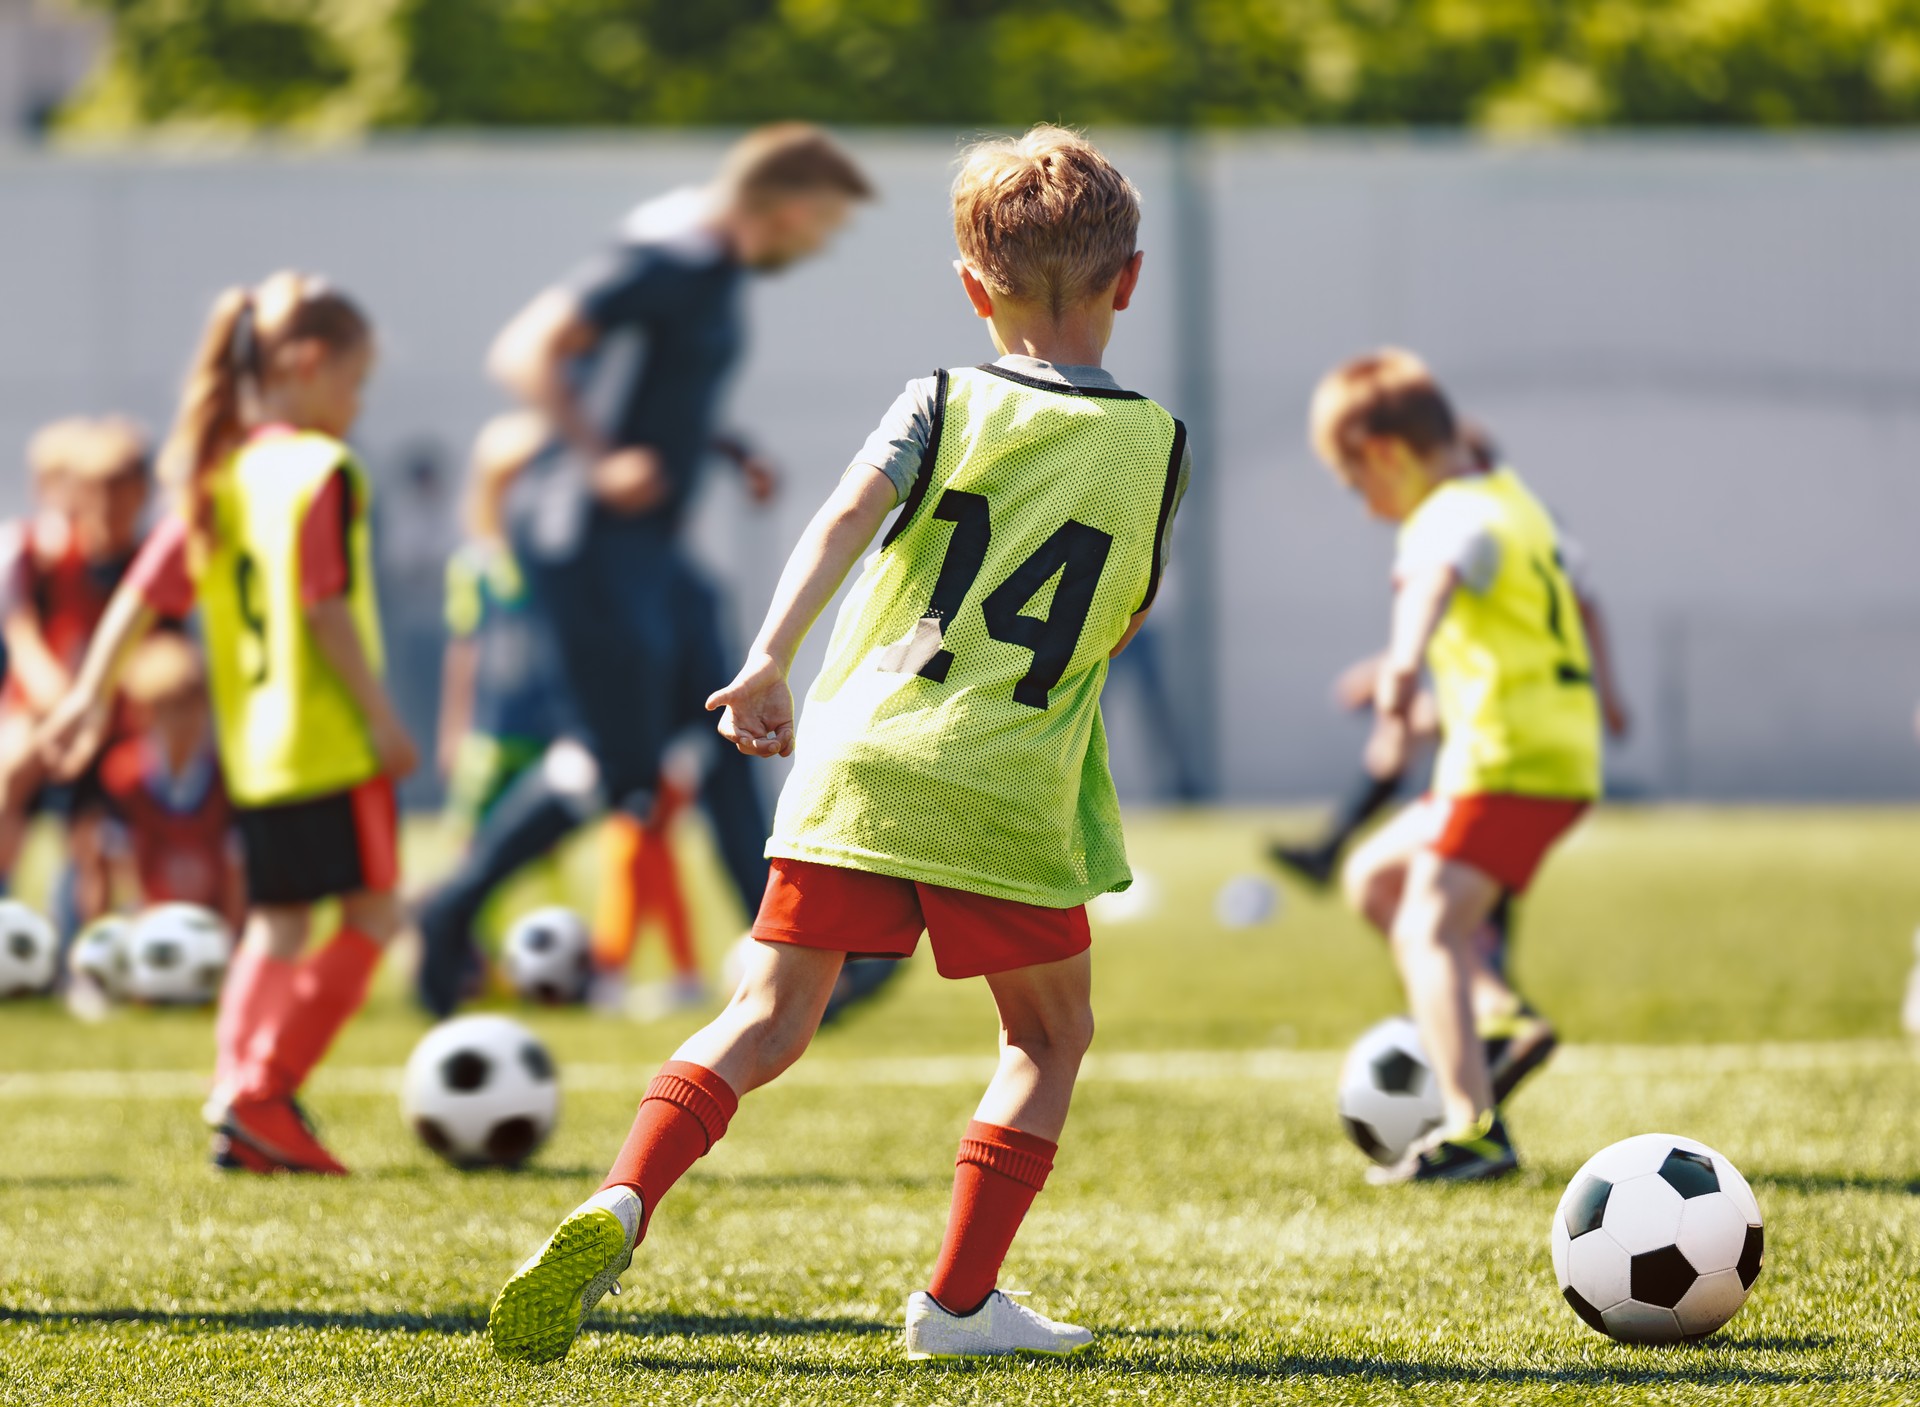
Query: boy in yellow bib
951	773
1482	600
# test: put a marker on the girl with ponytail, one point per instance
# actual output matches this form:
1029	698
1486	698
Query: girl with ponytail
270	540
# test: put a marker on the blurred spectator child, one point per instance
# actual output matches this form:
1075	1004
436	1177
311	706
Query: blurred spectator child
92	481
500	697
170	836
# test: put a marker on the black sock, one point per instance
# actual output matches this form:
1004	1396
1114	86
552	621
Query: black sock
1369	796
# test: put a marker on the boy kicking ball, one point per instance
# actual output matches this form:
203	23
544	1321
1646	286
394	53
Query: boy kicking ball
952	775
1481	597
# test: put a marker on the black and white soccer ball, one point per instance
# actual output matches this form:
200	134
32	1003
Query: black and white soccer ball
1657	1239
1389	1099
177	955
481	1092
101	955
548	956
29	951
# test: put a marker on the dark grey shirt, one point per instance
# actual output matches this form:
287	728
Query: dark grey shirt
671	287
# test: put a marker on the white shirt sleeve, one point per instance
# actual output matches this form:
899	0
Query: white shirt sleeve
1451	531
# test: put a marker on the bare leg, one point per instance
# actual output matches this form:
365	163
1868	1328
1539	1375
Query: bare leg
278	931
1046	1025
378	916
771	1018
1442	909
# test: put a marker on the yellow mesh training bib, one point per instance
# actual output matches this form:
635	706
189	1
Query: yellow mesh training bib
954	733
1510	665
288	727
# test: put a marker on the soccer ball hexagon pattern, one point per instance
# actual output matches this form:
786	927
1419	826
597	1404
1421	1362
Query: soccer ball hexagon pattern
1388	1097
29	951
481	1092
177	955
548	956
100	955
1657	1239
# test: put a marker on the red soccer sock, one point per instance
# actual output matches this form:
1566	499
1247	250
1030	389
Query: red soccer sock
685	1112
257	983
996	1177
326	990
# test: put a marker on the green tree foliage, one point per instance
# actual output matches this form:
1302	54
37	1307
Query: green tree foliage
1489	63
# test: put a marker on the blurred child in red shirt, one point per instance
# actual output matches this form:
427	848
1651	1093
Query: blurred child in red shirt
171	831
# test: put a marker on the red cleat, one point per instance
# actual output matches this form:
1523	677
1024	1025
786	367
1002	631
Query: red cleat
231	1155
273	1129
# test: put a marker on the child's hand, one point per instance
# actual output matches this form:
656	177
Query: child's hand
1388	746
69	737
394	747
759	709
1394	690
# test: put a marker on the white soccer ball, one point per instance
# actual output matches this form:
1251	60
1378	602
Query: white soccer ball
100	956
548	956
177	955
29	951
1389	1099
1657	1239
1246	901
481	1092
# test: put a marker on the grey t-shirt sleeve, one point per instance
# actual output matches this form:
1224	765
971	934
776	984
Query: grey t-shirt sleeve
898	446
1451	531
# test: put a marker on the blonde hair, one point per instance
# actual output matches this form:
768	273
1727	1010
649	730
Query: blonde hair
1388	394
787	159
51	450
161	667
244	337
1044	218
504	446
112	447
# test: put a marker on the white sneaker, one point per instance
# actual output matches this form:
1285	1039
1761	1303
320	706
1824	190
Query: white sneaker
538	1312
998	1326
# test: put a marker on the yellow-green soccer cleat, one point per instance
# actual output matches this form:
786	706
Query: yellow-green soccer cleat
538	1312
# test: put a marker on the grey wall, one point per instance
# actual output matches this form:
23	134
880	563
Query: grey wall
1704	354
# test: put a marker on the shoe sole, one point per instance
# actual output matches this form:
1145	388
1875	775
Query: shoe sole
1519	1067
536	1317
913	1357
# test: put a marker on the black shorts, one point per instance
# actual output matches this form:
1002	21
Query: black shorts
300	852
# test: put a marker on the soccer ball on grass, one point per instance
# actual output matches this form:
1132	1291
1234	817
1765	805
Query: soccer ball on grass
99	956
481	1092
29	951
176	955
1657	1239
1389	1099
548	956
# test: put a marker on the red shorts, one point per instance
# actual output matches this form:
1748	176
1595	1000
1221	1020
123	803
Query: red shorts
850	911
1503	836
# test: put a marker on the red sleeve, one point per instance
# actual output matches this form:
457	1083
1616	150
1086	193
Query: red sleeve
325	570
160	573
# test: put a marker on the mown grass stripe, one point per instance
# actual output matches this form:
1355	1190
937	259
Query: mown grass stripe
1113	1067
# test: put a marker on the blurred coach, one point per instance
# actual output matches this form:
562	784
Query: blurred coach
596	520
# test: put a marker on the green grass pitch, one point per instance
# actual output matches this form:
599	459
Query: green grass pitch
1730	975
